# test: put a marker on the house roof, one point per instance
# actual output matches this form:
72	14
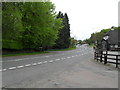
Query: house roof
113	37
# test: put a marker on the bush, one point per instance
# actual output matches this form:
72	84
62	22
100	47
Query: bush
10	44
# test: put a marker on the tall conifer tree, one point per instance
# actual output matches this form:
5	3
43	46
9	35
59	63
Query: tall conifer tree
63	40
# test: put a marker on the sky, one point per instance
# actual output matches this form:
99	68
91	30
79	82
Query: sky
88	16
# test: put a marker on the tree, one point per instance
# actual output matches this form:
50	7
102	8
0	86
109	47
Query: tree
97	36
63	40
41	25
66	31
79	41
33	24
73	42
11	25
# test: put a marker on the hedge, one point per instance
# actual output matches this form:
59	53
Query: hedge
11	44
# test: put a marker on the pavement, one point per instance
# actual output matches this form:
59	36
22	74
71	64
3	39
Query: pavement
58	69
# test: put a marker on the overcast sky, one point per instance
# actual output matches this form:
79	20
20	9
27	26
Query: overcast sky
88	16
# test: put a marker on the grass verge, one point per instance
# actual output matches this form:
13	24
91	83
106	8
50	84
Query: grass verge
66	49
34	53
21	54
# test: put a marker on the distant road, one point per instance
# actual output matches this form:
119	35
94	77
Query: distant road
58	69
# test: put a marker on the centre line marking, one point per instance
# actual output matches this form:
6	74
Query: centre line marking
34	64
12	68
4	69
51	61
20	66
28	65
68	57
39	63
57	59
45	62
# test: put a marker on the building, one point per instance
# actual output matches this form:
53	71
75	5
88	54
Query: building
111	40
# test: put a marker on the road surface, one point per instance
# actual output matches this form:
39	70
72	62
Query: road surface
58	69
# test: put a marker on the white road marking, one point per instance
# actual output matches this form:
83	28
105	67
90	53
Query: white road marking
45	62
62	58
28	65
23	59
57	59
51	61
18	59
34	64
0	70
68	57
39	63
12	68
35	57
4	69
38	57
20	66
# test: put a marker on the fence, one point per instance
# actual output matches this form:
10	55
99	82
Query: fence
107	58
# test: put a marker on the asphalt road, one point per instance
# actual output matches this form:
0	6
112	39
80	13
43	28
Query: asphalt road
58	69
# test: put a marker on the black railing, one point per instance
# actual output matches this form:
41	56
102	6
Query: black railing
106	58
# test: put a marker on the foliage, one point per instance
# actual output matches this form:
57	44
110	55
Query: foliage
73	42
11	25
79	41
29	25
99	35
11	44
63	40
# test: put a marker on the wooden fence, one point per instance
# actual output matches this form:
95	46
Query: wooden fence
107	58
